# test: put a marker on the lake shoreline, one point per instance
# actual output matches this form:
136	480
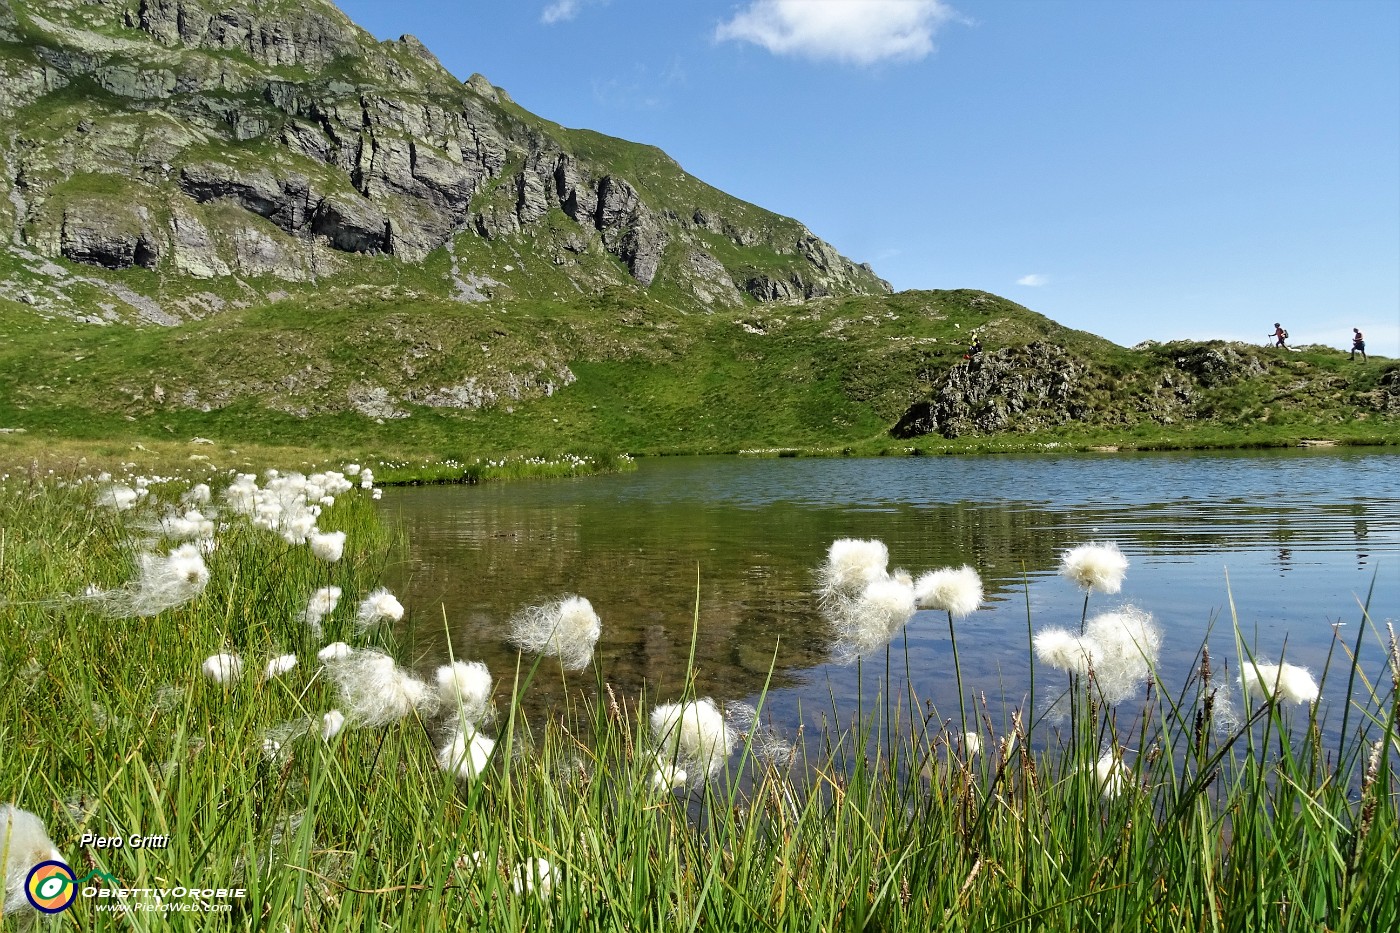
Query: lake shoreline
32	453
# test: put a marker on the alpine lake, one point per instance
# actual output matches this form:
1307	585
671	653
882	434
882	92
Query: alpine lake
1284	547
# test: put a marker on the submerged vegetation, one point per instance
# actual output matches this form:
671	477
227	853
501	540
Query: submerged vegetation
257	714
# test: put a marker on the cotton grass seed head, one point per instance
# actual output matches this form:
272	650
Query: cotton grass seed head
566	628
1097	567
694	735
378	607
1060	649
1294	684
223	668
1125	646
331	724
866	623
280	665
328	546
535	876
465	754
1112	777
464	689
851	565
117	497
162	583
24	843
375	691
956	590
321	604
335	651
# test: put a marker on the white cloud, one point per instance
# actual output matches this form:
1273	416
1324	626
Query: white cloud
559	10
858	31
1034	280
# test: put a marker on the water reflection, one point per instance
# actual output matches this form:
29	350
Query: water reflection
741	537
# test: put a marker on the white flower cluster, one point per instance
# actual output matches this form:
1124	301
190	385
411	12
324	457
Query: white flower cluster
866	603
290	505
691	739
1121	648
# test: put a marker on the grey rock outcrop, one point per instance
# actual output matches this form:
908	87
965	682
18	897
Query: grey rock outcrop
1014	388
106	233
1218	365
296	117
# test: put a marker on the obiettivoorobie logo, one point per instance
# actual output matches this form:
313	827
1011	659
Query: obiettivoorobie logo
52	887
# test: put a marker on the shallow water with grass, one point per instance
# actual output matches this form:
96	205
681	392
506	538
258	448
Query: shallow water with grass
1287	544
188	704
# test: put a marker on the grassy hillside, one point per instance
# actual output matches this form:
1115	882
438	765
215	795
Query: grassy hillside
363	368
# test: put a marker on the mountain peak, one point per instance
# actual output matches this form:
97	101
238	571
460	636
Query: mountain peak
278	140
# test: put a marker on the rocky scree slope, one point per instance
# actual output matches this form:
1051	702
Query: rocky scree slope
275	142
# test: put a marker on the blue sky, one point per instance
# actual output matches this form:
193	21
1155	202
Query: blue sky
1137	169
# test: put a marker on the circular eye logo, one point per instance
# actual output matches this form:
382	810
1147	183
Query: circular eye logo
51	887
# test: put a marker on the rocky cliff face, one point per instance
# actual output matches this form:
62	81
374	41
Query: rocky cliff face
277	139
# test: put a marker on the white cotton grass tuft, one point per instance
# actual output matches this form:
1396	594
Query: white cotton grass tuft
223	668
1126	646
331	724
666	774
378	607
1110	774
565	628
161	583
1121	648
534	876
464	689
693	735
335	651
1295	684
375	691
321	604
24	843
955	590
1063	650
118	497
1097	567
972	744
865	623
280	665
851	565
764	742
328	545
180	527
465	753
197	495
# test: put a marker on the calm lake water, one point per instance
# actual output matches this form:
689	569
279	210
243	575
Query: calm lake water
1298	538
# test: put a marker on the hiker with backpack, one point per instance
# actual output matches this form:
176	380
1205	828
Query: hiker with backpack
1280	336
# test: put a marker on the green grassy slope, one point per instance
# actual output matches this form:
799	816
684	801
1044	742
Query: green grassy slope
621	370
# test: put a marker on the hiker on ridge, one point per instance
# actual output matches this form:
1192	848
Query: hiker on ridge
1280	336
1358	344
